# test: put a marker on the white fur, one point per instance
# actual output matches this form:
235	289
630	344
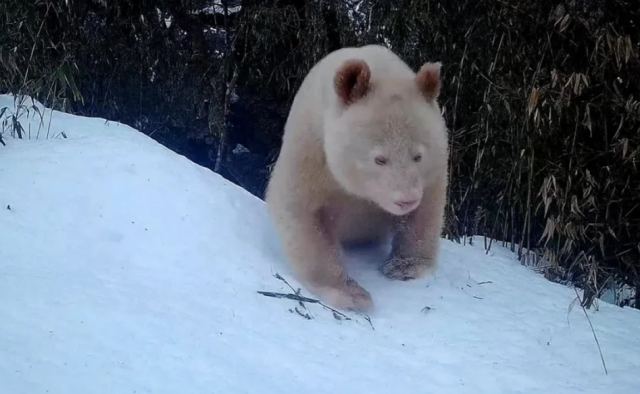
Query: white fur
326	180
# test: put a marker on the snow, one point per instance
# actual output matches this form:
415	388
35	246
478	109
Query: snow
126	268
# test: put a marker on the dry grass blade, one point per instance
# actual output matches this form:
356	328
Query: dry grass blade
289	296
593	331
300	298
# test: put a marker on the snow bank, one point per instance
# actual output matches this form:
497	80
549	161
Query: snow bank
125	268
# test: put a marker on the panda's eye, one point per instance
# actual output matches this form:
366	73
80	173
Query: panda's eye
417	158
380	160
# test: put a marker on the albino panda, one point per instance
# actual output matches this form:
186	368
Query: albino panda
364	156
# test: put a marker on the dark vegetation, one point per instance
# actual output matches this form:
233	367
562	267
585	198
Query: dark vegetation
542	100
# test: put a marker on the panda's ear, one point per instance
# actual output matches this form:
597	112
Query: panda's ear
428	80
352	81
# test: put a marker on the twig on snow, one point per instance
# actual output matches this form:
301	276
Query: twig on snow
368	319
289	296
303	314
302	299
593	331
279	277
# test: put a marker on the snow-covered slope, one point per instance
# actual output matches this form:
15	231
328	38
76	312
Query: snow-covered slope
126	268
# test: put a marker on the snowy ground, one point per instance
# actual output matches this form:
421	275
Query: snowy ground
126	268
